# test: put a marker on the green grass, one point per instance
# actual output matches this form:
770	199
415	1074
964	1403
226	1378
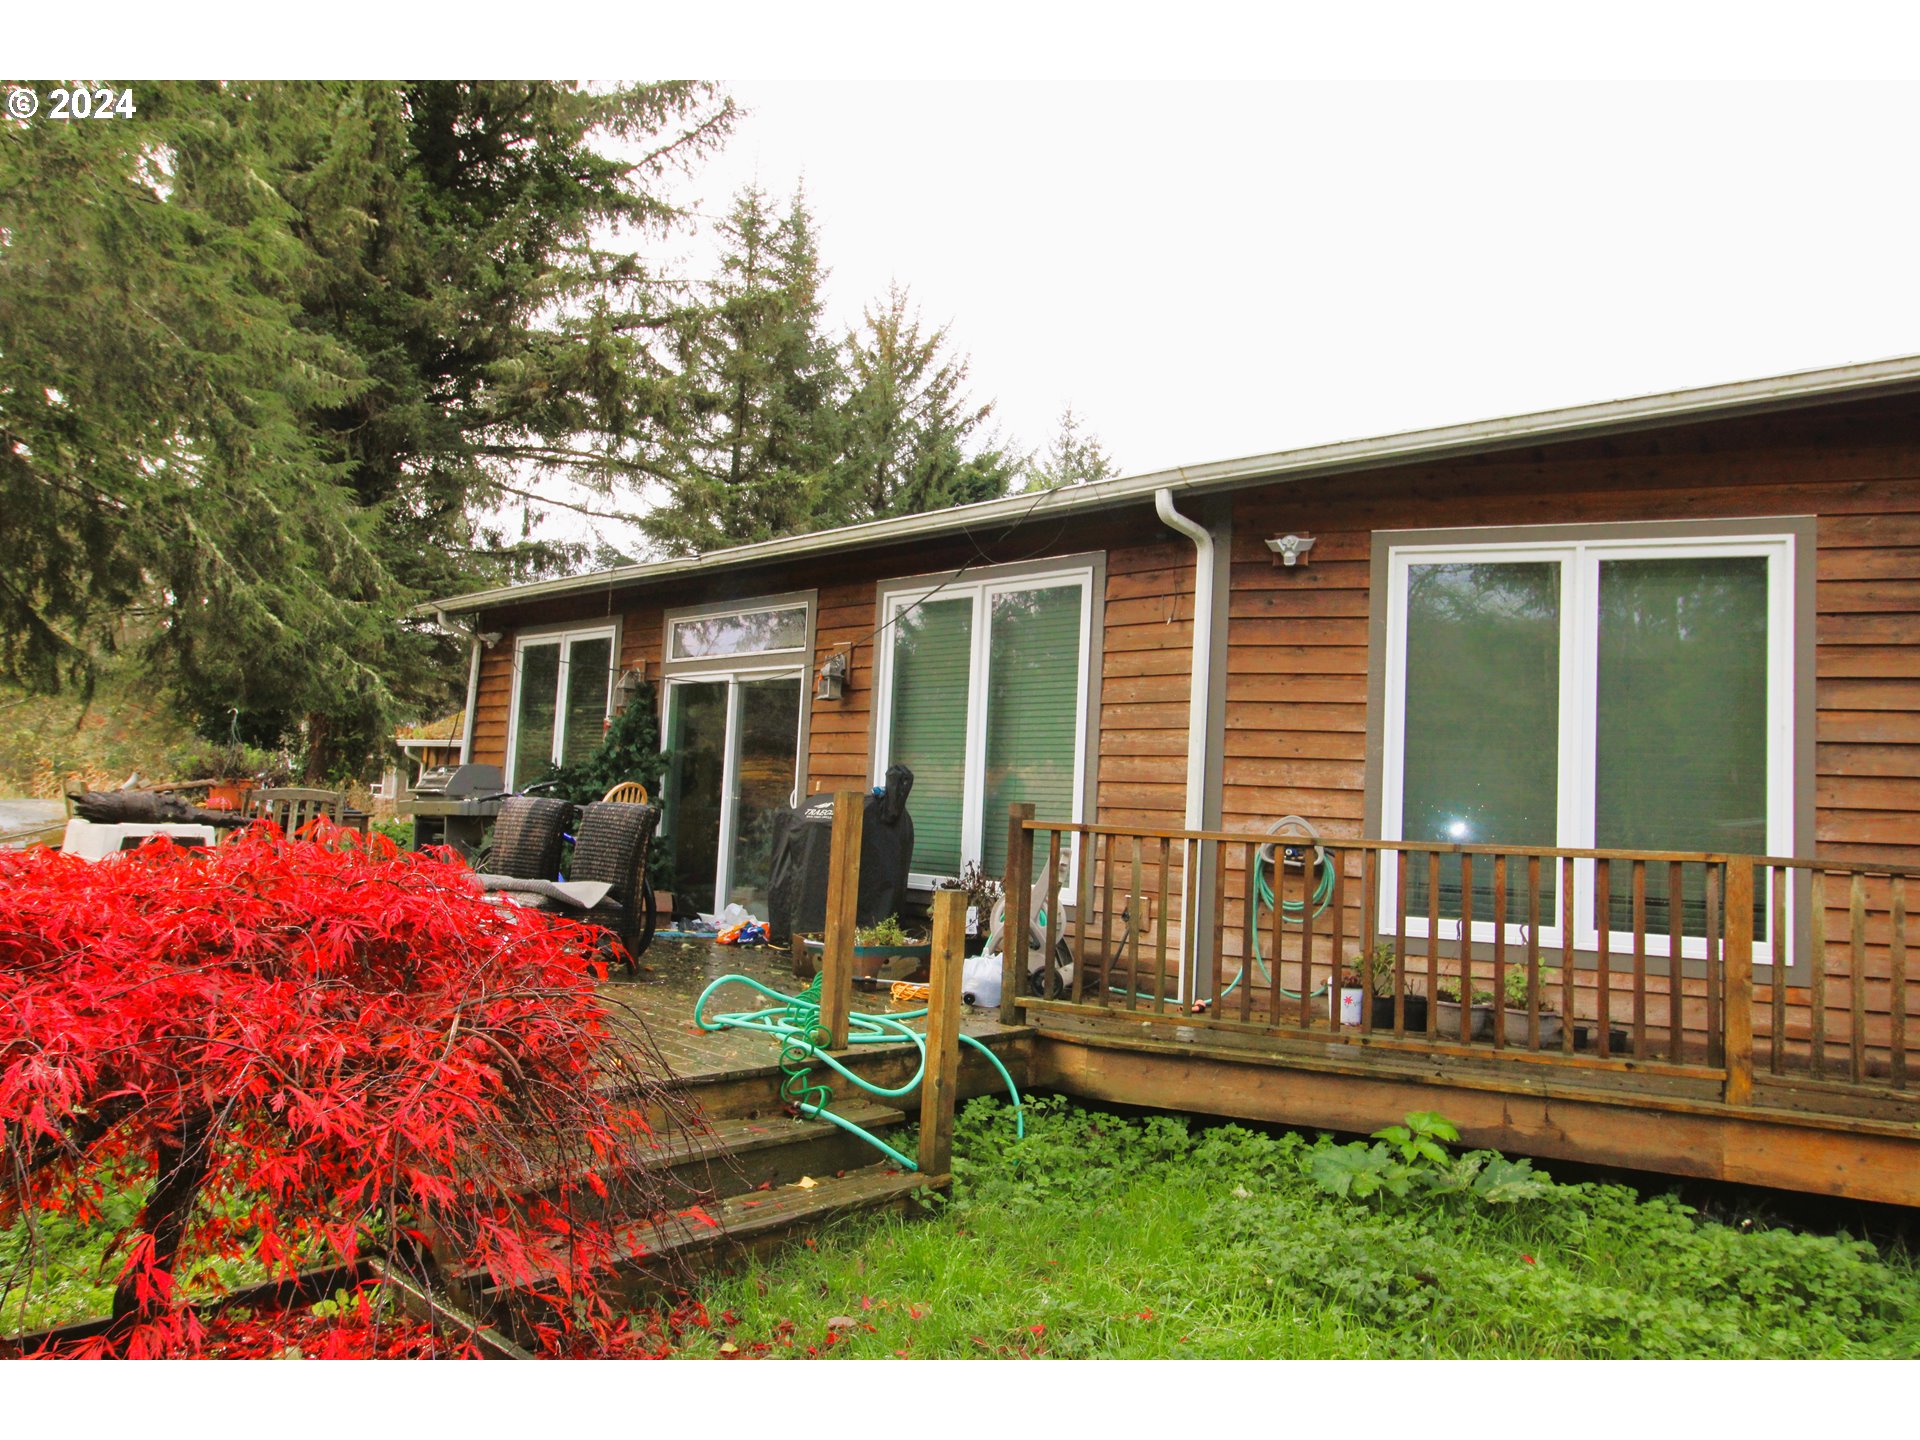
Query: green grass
1130	1239
70	1277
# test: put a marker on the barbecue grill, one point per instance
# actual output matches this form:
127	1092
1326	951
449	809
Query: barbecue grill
454	805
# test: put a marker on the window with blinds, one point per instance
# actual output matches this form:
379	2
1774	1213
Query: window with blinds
563	688
984	692
1620	695
932	685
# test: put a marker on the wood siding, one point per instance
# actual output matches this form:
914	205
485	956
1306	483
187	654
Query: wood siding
1297	688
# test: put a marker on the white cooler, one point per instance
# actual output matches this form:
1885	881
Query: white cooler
95	842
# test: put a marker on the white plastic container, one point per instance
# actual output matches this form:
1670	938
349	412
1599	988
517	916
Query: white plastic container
1352	997
96	842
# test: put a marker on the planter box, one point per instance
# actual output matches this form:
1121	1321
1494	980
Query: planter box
868	959
1550	1029
1448	1013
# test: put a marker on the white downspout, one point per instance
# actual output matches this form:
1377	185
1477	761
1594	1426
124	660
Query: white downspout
473	702
1202	686
1202	653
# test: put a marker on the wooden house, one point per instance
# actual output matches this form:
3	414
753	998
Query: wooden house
1617	708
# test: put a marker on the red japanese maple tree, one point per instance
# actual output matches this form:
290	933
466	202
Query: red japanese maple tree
344	1045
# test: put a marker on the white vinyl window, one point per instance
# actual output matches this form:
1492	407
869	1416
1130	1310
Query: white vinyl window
982	693
1606	694
562	698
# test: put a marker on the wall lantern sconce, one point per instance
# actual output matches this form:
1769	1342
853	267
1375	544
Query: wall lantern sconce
831	683
626	687
1290	550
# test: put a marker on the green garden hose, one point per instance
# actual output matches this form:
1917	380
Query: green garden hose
1292	911
795	1023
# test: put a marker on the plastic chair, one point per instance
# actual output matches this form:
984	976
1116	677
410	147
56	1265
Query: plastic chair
627	792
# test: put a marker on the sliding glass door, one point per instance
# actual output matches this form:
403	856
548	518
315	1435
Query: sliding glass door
733	750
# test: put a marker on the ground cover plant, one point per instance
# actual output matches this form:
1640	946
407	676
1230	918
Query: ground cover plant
1101	1236
288	1052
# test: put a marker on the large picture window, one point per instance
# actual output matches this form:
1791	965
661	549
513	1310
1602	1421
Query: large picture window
1605	694
562	695
982	687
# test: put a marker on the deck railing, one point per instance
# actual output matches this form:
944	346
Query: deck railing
1710	971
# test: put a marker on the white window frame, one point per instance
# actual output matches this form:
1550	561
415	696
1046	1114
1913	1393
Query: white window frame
982	588
566	635
787	663
1580	562
802	603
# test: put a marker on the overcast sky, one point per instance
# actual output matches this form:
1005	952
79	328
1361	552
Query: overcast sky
1214	270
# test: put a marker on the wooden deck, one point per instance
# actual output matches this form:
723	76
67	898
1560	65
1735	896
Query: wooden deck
660	1001
1713	1064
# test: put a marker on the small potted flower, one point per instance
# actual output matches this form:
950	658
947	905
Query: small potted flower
1345	1003
1516	1007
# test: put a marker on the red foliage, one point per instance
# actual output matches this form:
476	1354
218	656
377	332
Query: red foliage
345	1038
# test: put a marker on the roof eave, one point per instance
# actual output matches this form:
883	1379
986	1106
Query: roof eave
1780	392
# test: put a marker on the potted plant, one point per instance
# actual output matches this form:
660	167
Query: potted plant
1516	1007
1447	1012
875	944
1344	1002
1377	966
983	893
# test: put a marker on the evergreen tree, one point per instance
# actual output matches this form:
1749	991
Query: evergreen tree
269	352
1074	457
909	421
757	463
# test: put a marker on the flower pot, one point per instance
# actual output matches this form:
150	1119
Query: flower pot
1416	1013
1550	1029
230	795
1448	1014
869	959
1347	1006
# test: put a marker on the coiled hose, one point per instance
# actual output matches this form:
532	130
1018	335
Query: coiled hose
795	1023
1292	911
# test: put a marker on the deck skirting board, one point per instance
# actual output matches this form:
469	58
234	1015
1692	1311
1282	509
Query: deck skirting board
1859	1159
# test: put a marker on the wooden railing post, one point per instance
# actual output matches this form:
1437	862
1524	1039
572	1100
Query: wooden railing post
843	904
1017	888
940	1082
1736	1009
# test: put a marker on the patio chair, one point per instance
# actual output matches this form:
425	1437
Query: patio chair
292	807
627	792
611	845
527	837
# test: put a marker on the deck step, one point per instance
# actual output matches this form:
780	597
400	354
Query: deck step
672	1251
735	1156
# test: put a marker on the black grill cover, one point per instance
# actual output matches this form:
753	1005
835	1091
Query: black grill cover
802	841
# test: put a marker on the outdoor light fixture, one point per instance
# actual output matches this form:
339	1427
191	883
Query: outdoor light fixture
624	688
1290	550
832	681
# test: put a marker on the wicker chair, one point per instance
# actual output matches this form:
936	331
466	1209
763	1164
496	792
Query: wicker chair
611	845
527	837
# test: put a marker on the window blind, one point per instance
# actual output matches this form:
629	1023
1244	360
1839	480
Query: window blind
932	661
1033	687
533	726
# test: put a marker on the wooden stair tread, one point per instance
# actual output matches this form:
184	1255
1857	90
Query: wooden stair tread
742	1219
737	1137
